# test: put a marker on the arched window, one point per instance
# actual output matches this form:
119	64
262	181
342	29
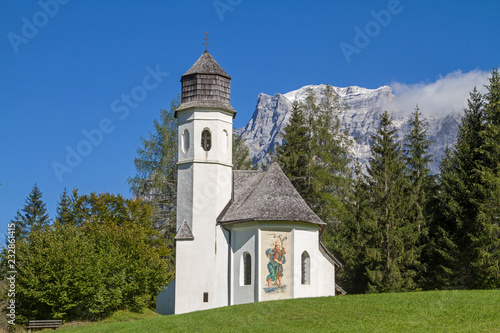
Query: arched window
247	269
206	140
185	141
306	268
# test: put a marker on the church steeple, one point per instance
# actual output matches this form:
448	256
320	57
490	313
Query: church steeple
204	185
207	85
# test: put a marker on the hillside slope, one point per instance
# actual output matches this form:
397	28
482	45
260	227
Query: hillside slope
435	311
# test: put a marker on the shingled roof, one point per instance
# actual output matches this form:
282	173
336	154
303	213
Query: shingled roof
206	64
266	196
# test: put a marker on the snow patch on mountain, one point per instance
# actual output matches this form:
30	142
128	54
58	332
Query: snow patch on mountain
360	117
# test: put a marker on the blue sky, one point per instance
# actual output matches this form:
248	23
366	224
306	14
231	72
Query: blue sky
68	66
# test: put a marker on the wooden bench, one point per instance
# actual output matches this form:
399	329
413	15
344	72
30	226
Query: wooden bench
41	324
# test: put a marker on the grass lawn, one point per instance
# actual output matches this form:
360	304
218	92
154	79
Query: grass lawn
434	311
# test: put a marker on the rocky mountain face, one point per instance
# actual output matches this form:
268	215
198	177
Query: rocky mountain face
360	117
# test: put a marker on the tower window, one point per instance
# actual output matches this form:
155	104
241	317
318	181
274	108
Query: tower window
206	140
185	141
225	142
306	268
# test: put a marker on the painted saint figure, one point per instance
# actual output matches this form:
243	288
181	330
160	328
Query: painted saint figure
277	258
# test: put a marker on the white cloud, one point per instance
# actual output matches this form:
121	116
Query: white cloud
446	95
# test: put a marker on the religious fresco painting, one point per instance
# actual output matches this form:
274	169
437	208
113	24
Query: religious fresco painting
276	265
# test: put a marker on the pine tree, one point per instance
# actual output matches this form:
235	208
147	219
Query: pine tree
460	199
34	215
156	165
421	186
294	155
349	240
63	211
442	252
314	155
391	254
332	160
486	236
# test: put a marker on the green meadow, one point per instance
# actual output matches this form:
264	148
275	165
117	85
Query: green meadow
434	311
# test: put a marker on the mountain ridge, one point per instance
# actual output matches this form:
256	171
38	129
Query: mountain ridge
360	118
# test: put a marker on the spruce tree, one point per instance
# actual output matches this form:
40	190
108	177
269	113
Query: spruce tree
315	155
421	185
486	234
460	198
63	211
390	250
34	215
349	239
441	255
294	155
332	167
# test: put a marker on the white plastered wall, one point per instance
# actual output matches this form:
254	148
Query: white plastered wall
322	272
244	239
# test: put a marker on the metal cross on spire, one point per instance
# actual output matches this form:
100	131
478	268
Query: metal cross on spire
206	41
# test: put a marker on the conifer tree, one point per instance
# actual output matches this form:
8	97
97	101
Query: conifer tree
349	239
34	215
421	186
460	198
63	211
390	250
442	252
315	156
294	155
486	234
332	160
156	165
241	154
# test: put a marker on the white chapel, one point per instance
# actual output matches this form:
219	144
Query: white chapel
242	236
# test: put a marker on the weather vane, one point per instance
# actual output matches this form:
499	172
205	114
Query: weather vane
206	41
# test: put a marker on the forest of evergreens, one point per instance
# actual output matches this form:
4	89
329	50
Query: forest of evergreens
394	225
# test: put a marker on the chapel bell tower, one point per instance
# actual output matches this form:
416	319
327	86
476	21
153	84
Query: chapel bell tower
205	121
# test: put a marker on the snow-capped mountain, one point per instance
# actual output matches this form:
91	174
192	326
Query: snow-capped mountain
360	118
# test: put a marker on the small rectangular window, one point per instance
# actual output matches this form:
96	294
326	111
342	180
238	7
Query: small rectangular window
247	269
205	297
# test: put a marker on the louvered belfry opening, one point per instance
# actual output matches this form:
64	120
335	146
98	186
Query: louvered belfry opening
206	87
